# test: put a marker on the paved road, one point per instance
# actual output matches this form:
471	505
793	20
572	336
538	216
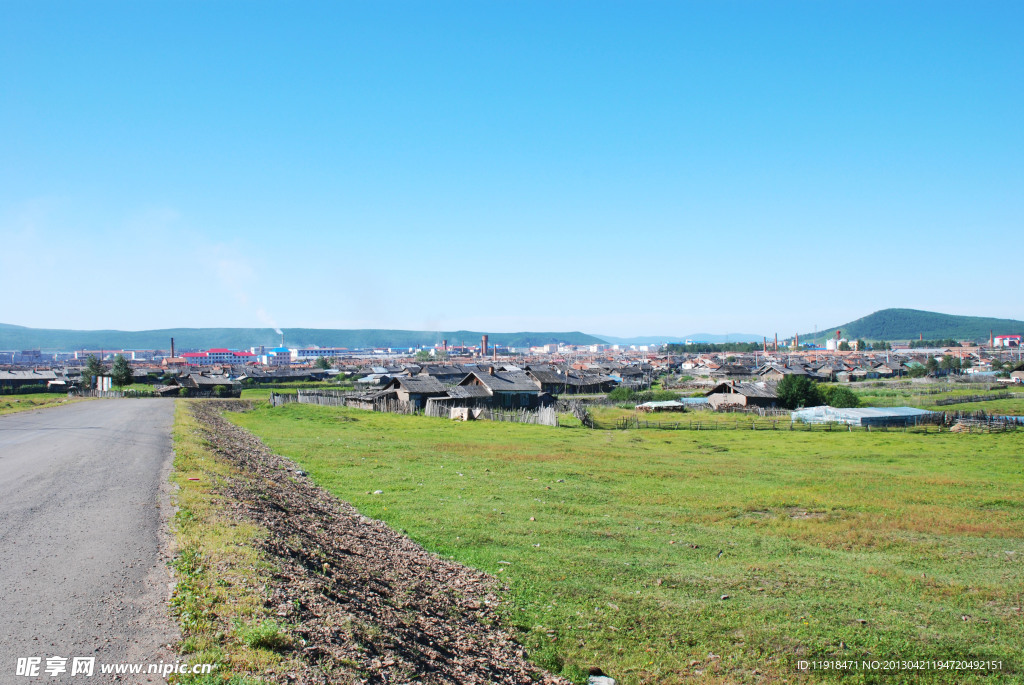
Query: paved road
83	570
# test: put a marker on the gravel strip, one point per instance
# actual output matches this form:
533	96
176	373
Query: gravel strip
371	606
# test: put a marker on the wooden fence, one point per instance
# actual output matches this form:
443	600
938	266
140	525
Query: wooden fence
107	394
277	400
962	399
545	416
978	421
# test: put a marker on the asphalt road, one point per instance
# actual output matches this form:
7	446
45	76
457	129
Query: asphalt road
83	547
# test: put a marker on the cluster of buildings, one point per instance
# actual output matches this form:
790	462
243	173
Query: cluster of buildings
552	369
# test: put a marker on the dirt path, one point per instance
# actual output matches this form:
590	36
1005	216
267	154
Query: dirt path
371	605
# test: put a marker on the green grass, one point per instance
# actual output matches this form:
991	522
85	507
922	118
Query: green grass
258	393
832	544
10	404
901	393
1014	407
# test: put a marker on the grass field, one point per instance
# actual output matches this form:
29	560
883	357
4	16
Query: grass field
13	403
258	393
667	557
897	393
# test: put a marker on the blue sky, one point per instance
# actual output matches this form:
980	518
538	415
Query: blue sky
638	168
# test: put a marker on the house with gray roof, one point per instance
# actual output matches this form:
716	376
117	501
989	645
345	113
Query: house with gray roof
511	389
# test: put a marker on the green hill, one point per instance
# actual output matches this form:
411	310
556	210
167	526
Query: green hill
912	324
22	338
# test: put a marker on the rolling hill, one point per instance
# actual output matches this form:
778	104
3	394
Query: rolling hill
22	338
912	324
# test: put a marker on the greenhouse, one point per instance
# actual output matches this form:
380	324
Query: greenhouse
864	416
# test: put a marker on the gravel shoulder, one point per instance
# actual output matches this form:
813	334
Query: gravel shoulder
364	603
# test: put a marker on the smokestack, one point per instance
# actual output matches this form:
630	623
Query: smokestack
764	343
776	348
483	346
444	345
172	347
920	336
282	338
991	339
797	343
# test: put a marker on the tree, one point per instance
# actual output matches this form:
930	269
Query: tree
838	396
932	365
121	372
93	367
861	345
324	363
844	346
423	356
798	391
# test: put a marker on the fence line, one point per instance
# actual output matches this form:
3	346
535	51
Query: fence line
108	394
545	416
963	399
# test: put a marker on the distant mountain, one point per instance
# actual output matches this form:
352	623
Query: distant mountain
702	337
640	340
22	338
912	324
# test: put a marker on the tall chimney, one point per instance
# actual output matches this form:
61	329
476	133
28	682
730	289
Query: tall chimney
797	343
776	348
172	347
282	338
765	343
483	346
991	339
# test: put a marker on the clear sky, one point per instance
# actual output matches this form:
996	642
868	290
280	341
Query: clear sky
623	168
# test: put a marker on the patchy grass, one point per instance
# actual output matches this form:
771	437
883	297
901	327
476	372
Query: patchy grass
219	598
10	404
619	548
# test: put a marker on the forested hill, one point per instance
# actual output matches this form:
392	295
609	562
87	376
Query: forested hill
912	324
21	338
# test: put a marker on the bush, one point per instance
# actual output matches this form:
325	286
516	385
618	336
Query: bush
838	396
798	391
26	389
621	394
